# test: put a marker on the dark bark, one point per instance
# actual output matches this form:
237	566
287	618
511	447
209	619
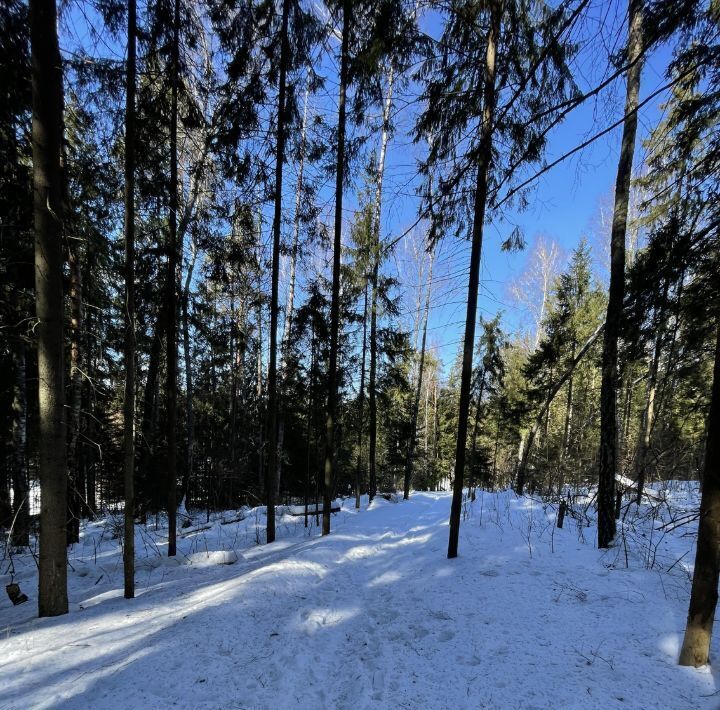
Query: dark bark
608	392
148	427
129	394
704	595
361	404
189	390
171	296
76	335
329	467
270	483
481	190
47	136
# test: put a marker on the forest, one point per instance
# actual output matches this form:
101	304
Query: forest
274	254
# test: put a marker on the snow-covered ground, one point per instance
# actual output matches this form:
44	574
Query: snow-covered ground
373	616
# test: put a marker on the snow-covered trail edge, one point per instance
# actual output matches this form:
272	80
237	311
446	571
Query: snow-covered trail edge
373	616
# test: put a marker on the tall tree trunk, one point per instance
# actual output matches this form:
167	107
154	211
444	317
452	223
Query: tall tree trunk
171	294
481	189
377	214
329	468
270	474
129	395
233	388
259	395
361	404
289	306
704	595
90	457
418	388
76	334
189	391
47	138
608	392
20	530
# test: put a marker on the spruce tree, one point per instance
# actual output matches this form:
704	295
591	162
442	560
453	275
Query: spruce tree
47	139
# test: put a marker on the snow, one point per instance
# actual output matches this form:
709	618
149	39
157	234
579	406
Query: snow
373	616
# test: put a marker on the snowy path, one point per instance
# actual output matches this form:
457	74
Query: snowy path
374	616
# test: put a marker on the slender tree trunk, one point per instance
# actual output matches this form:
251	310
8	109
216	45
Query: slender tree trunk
704	595
527	442
233	388
310	423
608	392
361	404
648	415
329	468
171	295
481	189
476	431
418	389
76	334
259	394
90	454
189	389
149	416
129	395
47	138
271	479
648	418
372	384
567	426
289	306
270	474
20	530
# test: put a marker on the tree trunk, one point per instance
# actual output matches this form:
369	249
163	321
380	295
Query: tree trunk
149	416
527	441
476	430
76	334
20	531
418	389
289	306
189	390
648	415
361	404
129	395
47	138
329	468
259	395
608	392
704	595
270	474
481	189
372	490
171	295
567	426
